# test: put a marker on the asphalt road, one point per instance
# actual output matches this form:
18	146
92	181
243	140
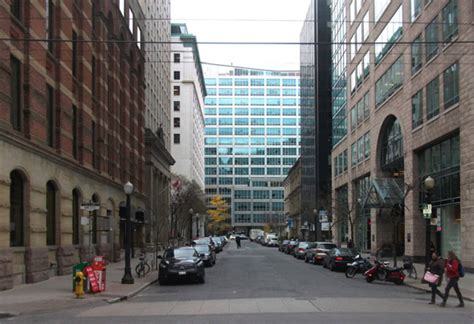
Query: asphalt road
256	284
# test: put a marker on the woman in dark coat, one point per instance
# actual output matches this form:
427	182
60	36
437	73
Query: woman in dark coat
436	267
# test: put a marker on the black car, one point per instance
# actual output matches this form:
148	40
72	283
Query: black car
291	246
181	263
338	258
282	246
206	253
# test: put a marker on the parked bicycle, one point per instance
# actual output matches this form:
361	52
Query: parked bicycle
409	267
143	267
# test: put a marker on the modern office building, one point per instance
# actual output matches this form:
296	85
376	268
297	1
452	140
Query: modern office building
158	159
252	140
315	67
408	107
71	115
188	93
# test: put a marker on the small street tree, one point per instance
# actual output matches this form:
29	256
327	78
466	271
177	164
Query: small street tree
219	218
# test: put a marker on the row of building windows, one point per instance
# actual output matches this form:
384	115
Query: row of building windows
247	161
240	121
243	82
340	163
226	111
360	112
360	150
432	90
258	194
242	181
238	131
250	151
258	206
254	92
213	101
244	171
285	141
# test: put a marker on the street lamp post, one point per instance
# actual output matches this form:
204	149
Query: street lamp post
127	276
197	225
191	212
315	213
429	185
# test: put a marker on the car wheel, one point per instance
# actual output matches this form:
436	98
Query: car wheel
306	259
331	266
314	260
201	279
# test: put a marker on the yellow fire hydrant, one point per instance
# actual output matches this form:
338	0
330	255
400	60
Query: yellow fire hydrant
79	284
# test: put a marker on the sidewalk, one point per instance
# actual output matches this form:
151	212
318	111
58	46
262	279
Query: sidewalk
56	293
466	284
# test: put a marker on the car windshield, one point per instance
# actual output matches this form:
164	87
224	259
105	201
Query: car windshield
327	246
180	253
292	242
202	248
303	245
343	251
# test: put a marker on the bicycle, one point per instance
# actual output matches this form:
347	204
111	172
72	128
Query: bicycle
409	267
143	267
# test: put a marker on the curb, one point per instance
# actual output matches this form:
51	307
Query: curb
4	315
131	294
429	291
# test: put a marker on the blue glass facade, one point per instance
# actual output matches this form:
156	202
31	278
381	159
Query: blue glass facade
252	138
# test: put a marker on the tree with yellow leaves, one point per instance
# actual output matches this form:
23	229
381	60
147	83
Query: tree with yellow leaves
219	218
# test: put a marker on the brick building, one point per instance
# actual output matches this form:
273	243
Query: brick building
406	115
71	131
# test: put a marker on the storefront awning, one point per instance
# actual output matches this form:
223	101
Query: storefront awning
384	193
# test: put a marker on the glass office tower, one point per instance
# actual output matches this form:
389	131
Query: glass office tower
252	139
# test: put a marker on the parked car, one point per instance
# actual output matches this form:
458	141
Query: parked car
300	250
207	255
181	263
290	247
318	253
282	246
338	258
208	241
272	241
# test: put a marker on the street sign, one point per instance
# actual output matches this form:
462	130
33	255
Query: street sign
90	206
323	216
427	211
325	226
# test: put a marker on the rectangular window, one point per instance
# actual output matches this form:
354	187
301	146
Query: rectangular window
367	145
416	55
379	8
389	82
417	109
392	32
50	115
353	118
416	7
130	20
450	21
176	122
74	54
176	90
176	138
354	154
177	58
451	85
366	105
432	98
431	38
122	7
16	9
360	149
176	105
50	24
15	94
75	132
176	75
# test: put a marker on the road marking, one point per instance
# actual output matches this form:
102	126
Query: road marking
268	305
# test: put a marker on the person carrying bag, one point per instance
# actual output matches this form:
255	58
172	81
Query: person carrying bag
434	276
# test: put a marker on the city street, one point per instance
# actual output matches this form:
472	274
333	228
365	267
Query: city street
259	284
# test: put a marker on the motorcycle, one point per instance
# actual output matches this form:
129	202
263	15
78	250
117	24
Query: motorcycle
382	271
359	265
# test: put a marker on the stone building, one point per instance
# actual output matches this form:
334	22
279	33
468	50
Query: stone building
292	202
71	131
406	114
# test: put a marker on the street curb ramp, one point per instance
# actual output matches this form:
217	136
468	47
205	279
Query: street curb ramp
131	294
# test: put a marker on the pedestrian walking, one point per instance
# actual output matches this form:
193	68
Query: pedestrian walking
237	240
452	272
436	267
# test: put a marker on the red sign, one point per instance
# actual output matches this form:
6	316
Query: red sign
99	268
92	279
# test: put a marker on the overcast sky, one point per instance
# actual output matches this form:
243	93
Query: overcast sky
244	21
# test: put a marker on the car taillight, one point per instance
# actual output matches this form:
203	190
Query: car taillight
339	258
300	249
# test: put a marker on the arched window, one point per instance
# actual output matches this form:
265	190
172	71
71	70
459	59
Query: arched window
17	210
76	215
51	212
93	221
392	145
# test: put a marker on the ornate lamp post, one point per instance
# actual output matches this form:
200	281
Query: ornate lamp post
127	276
429	185
197	225
191	212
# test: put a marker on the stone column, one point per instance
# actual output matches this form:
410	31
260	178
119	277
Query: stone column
6	269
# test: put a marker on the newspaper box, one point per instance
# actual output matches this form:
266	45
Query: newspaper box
99	269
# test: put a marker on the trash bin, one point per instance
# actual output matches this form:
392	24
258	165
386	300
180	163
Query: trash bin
80	268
